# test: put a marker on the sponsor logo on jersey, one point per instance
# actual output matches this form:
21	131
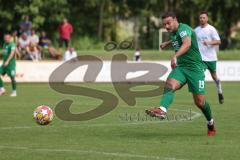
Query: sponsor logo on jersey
175	45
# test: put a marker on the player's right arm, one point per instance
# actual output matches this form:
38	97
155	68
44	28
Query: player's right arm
182	50
185	35
165	44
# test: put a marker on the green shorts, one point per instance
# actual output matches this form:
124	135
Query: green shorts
10	71
210	65
194	79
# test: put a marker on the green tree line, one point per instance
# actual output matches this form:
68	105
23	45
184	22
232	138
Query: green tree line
98	19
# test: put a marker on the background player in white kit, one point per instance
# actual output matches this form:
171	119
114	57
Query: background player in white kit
208	39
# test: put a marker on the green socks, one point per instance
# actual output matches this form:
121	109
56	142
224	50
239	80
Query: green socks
167	98
206	110
14	84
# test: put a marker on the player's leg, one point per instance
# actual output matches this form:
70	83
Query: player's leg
170	87
2	89
174	81
196	85
203	105
212	67
12	73
219	87
14	87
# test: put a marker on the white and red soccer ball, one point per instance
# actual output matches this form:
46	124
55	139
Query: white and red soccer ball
43	115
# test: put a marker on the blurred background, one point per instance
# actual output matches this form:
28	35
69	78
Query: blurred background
96	22
36	27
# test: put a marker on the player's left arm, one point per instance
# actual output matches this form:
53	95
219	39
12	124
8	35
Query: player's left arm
10	56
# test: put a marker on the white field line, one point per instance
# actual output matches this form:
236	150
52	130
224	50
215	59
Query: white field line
116	154
194	115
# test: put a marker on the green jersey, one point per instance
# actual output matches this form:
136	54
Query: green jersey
8	48
191	59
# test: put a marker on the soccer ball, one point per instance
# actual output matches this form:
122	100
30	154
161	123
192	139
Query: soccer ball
43	115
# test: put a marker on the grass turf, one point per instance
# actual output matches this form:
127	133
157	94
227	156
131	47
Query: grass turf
152	55
113	137
155	55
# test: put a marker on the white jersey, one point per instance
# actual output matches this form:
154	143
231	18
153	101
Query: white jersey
34	39
208	33
137	53
23	43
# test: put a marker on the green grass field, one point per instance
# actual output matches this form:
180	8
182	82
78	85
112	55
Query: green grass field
112	137
155	55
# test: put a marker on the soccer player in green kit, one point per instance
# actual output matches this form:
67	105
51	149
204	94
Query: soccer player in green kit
187	68
9	65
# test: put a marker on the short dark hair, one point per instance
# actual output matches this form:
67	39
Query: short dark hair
169	14
203	12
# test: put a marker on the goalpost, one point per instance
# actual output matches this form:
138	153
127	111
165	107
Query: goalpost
163	36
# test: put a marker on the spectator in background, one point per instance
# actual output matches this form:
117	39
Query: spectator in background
32	52
26	26
137	55
22	44
34	37
69	54
14	37
65	29
45	44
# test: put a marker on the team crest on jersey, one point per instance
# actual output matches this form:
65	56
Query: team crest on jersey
183	33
